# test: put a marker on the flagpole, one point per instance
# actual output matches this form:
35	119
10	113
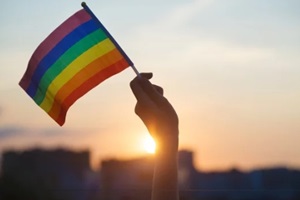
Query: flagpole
83	4
135	70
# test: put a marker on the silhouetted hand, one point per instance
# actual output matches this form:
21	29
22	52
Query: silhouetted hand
162	122
156	112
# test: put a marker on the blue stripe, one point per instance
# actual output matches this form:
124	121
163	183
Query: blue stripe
66	43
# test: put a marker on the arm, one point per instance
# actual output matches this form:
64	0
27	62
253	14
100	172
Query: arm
162	122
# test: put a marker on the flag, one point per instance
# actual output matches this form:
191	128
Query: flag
73	59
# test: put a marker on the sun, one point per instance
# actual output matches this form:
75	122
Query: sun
149	144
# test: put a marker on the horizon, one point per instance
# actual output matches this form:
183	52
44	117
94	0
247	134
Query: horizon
97	165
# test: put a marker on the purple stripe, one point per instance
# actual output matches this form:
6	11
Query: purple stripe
51	41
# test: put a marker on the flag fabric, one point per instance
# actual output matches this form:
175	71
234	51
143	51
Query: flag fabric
73	59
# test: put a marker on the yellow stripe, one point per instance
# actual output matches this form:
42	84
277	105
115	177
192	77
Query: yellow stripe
78	64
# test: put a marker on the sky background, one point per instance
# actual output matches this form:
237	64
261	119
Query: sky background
230	68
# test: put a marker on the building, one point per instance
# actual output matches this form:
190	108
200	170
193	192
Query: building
131	180
63	174
41	174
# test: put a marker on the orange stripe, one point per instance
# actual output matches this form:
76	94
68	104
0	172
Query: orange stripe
82	76
58	113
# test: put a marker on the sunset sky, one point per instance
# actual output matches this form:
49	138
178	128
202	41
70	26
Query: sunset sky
230	68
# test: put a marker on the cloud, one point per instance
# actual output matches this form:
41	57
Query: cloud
183	13
214	33
11	131
252	23
52	132
226	48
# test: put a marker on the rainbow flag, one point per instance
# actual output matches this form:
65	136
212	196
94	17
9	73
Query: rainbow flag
73	59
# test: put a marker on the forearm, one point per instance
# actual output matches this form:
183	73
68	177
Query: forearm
161	121
165	172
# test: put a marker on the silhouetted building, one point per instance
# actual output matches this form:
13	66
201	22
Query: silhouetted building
132	179
264	184
49	175
63	175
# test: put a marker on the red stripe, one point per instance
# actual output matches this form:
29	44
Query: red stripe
51	41
88	85
82	76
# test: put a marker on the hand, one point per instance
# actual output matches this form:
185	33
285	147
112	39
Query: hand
156	112
162	122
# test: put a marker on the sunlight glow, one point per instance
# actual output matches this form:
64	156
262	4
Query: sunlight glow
149	145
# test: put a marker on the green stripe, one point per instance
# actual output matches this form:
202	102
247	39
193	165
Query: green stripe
68	57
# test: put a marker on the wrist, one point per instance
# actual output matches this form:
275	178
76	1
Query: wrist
167	146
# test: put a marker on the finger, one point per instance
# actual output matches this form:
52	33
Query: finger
136	87
137	90
147	75
146	115
142	112
151	91
139	93
159	89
